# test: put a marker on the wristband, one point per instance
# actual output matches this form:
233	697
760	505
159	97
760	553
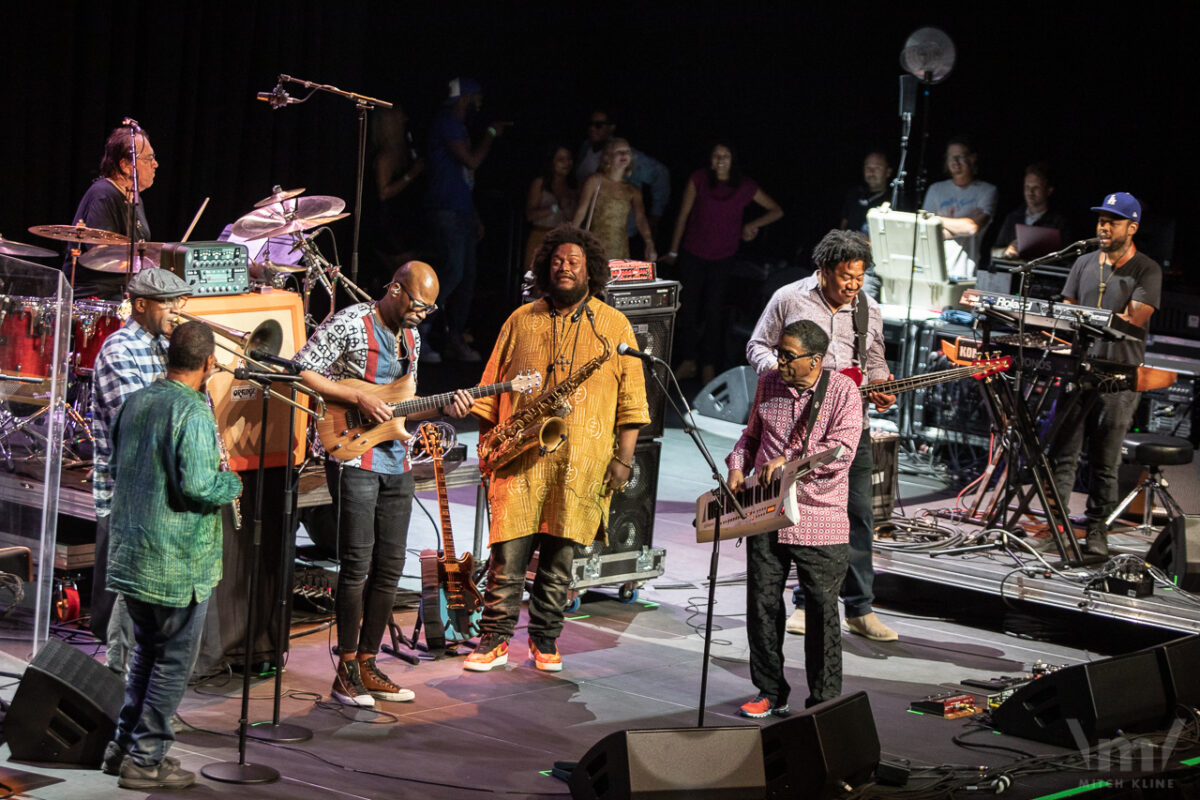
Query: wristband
492	131
625	464
673	254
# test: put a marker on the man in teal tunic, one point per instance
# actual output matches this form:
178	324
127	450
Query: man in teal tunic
164	550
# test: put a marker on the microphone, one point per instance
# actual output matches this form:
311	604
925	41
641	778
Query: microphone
277	97
626	350
267	357
246	374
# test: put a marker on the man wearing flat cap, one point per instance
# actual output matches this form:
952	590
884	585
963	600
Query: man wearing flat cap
131	358
1119	278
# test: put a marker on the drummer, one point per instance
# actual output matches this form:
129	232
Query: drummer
106	203
132	358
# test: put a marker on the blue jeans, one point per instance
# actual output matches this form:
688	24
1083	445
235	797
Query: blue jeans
372	536
858	593
506	584
455	237
165	642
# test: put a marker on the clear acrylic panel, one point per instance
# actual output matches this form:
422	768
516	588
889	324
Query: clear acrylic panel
35	319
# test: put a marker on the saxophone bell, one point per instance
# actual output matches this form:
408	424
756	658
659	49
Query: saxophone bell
551	435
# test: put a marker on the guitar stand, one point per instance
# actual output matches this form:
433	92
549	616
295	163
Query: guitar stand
408	642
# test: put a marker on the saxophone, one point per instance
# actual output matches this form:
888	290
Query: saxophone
540	423
236	503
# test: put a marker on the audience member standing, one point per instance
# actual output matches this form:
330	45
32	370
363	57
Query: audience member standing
648	175
397	166
707	234
453	220
607	200
553	198
966	206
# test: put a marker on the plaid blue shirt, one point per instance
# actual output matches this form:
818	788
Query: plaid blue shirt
129	360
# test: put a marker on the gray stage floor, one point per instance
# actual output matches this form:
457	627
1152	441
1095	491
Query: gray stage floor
635	665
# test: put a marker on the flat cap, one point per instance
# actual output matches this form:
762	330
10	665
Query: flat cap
158	283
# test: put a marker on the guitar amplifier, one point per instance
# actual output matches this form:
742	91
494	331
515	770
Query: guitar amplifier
210	268
650	308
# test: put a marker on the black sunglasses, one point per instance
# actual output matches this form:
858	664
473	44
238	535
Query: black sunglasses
787	358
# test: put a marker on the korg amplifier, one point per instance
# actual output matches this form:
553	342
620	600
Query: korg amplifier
210	268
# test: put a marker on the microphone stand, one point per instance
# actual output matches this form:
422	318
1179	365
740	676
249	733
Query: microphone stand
134	203
730	497
239	771
276	731
363	104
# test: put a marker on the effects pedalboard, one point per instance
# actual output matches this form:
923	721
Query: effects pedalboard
947	705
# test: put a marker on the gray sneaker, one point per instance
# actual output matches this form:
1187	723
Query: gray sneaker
114	754
167	774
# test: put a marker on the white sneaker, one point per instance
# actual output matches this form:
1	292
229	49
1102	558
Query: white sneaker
795	623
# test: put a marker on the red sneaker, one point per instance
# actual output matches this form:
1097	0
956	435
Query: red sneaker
761	707
546	657
492	651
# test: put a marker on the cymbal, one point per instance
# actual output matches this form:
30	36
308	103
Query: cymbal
11	248
115	257
261	222
261	269
297	225
279	197
79	233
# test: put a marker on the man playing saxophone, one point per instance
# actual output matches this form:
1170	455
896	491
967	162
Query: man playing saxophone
557	500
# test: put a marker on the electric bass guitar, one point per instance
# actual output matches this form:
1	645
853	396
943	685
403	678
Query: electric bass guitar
346	434
450	601
977	369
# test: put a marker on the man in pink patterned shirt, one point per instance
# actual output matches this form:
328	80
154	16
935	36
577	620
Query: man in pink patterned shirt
818	544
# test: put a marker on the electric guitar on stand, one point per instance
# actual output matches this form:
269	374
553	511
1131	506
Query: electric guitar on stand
451	603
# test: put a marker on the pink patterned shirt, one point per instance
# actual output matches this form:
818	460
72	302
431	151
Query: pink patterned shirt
776	428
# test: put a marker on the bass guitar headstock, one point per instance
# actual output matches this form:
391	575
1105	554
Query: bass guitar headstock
431	439
991	366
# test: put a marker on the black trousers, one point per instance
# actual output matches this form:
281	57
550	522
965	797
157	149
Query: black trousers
821	571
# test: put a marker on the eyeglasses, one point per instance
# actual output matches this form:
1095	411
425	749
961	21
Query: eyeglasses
785	357
413	303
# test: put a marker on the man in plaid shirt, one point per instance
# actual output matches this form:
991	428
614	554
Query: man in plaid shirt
818	543
131	358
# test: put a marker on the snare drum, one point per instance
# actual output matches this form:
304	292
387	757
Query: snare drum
26	336
92	322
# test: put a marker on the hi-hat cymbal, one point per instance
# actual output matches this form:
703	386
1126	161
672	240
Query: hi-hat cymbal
279	197
297	225
79	233
263	269
115	257
261	222
11	248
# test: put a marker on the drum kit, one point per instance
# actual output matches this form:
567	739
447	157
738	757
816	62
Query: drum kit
27	323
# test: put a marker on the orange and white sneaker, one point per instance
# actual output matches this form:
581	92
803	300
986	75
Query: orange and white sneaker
545	657
492	651
761	707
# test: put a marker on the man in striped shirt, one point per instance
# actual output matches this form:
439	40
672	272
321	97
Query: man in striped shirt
377	343
130	359
781	428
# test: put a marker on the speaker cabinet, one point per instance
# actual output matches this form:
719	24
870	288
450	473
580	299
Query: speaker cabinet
65	709
1179	661
238	404
811	754
650	308
631	515
673	764
728	396
1088	702
1176	552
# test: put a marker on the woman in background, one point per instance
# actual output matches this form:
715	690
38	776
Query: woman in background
552	199
707	234
606	200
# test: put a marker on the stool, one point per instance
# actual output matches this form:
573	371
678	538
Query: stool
1152	450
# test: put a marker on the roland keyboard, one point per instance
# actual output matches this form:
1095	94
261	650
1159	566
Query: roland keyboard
768	508
1047	314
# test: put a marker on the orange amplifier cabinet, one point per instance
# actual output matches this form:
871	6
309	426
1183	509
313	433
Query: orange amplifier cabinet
238	404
